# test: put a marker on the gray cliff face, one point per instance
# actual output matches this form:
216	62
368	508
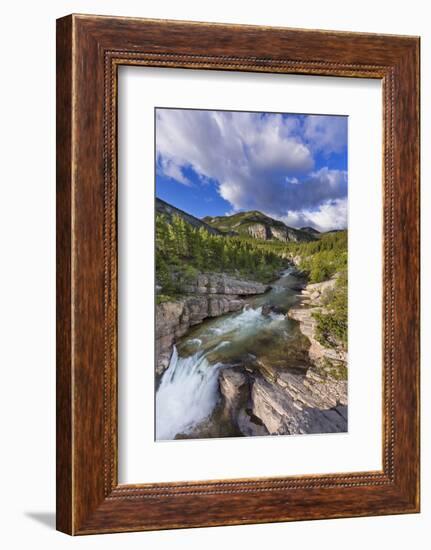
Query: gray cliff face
279	231
286	234
211	295
259	231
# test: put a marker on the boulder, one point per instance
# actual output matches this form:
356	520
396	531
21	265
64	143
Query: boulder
234	388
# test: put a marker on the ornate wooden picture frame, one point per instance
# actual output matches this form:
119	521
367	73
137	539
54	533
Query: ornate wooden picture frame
89	51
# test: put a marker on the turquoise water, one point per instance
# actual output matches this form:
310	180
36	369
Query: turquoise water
258	338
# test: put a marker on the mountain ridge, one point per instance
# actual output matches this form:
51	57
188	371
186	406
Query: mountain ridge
254	223
169	210
311	230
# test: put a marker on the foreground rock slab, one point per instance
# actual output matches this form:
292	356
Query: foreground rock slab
298	404
286	404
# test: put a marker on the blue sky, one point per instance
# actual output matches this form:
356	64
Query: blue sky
291	167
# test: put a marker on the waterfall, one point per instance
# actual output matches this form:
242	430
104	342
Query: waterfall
188	391
187	394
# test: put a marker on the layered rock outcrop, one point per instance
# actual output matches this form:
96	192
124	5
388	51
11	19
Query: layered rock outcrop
297	404
285	404
221	283
312	302
210	295
276	230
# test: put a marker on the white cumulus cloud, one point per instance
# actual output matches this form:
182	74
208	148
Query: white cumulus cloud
226	146
329	215
257	161
326	133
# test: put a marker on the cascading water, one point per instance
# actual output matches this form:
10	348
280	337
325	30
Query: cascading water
189	390
187	394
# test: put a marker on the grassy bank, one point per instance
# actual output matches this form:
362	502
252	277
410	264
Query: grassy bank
321	260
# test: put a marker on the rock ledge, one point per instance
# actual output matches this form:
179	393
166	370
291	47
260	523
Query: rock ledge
210	295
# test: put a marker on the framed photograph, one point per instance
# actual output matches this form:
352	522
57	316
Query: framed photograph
237	274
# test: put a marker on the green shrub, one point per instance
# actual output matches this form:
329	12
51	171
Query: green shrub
162	298
332	323
183	251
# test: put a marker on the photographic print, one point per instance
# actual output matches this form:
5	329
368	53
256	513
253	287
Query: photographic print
251	317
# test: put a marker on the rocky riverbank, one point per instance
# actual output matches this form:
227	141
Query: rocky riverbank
209	295
331	360
262	402
267	377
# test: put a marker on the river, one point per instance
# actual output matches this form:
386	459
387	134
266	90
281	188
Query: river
260	337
